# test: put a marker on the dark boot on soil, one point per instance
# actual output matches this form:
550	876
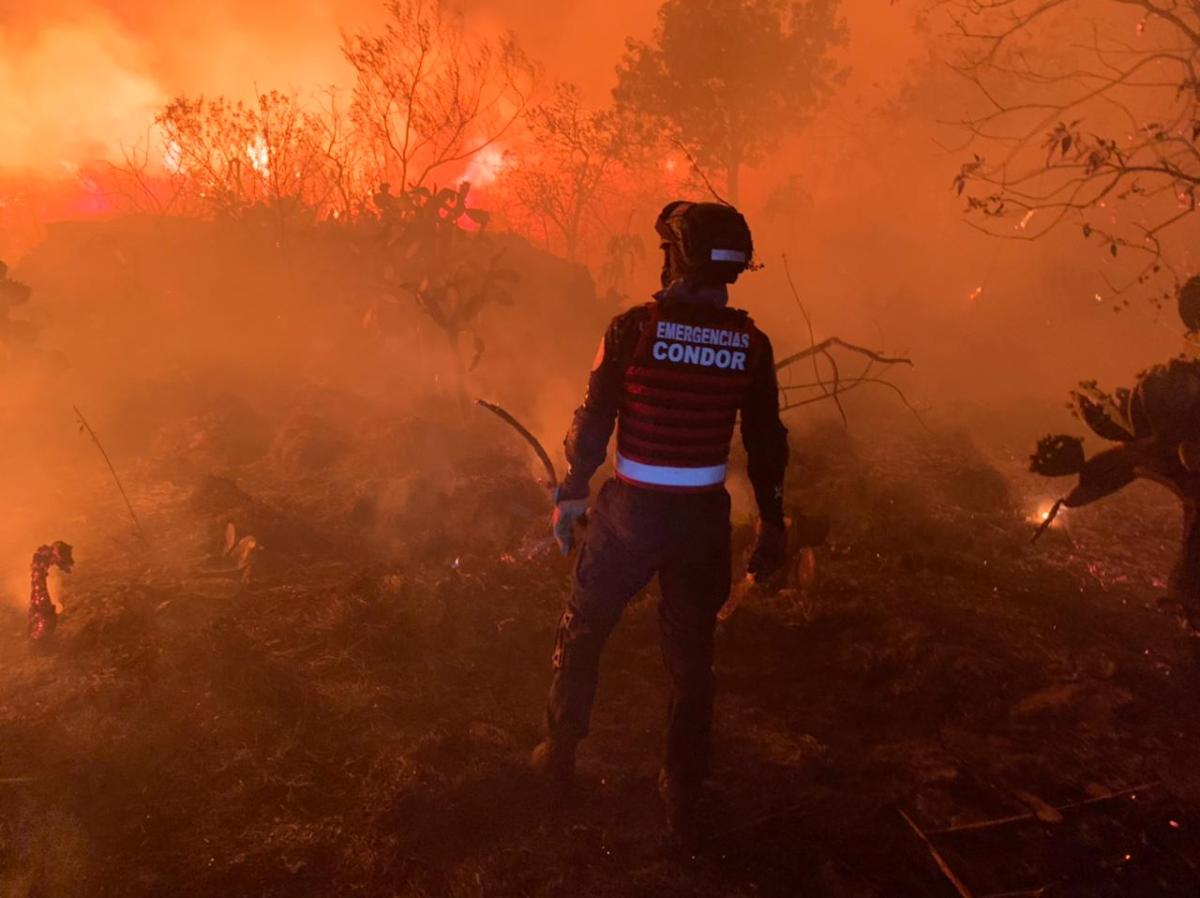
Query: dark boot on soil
682	804
554	761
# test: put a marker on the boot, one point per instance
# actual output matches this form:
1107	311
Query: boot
554	760
682	804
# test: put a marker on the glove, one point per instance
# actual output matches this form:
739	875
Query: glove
770	552
569	514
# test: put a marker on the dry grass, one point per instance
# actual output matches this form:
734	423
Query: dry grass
354	721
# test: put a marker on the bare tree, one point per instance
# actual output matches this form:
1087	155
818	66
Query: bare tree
346	180
429	95
1089	115
572	162
829	382
139	182
233	156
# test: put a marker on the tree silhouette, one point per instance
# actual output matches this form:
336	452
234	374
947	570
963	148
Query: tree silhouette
429	94
729	78
1096	126
573	161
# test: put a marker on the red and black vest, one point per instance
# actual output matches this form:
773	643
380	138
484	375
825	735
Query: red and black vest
687	379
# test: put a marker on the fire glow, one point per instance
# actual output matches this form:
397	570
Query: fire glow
1042	513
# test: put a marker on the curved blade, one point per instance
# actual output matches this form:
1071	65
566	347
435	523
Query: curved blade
529	438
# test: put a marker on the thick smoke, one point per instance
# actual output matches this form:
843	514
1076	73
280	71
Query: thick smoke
860	202
80	79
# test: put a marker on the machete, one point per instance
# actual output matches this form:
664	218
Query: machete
507	418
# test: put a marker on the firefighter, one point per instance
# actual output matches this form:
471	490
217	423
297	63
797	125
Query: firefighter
672	376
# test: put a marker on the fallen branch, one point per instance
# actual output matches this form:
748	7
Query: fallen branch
830	342
937	857
1049	520
1025	818
834	391
87	428
812	344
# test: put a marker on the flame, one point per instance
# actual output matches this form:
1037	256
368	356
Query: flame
1042	514
484	167
173	158
260	155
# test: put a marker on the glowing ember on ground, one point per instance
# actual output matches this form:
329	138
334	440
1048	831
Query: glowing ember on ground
1042	514
976	293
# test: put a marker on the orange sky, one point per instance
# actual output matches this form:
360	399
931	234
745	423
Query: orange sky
78	78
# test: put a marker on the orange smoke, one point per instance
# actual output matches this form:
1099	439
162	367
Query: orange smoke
70	93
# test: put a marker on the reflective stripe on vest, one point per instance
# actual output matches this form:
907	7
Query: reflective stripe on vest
665	475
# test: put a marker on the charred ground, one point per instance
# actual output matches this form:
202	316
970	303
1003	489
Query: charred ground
355	719
353	716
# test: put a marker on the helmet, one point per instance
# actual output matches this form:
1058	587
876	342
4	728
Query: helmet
704	242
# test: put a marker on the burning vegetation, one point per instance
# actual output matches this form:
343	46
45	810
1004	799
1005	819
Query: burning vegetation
329	333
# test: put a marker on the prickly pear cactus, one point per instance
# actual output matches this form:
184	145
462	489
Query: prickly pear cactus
1189	305
1156	426
1166	401
1058	456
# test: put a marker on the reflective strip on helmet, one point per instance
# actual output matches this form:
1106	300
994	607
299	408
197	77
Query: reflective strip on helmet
664	475
728	255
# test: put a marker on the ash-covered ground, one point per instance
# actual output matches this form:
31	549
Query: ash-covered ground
352	715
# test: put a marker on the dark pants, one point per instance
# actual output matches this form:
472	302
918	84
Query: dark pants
633	534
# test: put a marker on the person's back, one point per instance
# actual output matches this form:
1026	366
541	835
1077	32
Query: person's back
672	376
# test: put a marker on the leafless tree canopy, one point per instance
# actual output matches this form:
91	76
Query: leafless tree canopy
1093	126
231	156
573	164
428	94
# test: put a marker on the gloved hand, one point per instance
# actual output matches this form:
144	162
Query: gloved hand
770	552
569	514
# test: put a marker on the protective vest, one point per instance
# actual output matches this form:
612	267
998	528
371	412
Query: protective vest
687	379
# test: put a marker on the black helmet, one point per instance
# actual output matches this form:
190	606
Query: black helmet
704	242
